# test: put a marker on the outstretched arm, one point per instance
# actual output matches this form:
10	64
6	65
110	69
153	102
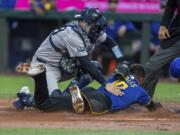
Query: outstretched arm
146	101
95	73
91	69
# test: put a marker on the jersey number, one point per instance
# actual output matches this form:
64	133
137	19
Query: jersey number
58	30
123	84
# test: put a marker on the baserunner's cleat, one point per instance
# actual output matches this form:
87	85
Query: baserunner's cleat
77	100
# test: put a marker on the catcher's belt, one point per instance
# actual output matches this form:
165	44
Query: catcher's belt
98	103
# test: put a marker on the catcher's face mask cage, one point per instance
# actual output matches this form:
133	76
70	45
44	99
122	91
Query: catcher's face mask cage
93	17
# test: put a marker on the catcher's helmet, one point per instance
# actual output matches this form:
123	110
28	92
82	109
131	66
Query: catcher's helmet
93	16
175	68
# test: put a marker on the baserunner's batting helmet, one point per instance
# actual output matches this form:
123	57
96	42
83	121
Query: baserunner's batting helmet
175	68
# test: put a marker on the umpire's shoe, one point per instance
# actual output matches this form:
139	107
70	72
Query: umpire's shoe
31	70
77	100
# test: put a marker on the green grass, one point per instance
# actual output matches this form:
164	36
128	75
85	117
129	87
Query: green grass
10	85
18	131
168	92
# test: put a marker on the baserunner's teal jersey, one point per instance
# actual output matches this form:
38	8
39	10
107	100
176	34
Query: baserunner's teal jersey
133	93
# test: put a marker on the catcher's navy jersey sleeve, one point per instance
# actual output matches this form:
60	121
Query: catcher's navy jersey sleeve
133	93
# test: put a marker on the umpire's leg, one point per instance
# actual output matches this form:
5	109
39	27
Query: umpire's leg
155	64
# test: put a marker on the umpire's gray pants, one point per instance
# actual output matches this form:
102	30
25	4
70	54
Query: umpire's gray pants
155	64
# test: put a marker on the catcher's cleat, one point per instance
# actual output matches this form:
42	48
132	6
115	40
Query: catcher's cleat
18	104
77	100
23	68
31	70
25	99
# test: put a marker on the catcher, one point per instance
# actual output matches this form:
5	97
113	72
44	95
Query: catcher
70	45
97	101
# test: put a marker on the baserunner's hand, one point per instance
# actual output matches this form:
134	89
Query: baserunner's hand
116	90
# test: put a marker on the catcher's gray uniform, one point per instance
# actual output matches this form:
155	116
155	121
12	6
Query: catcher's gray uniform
69	39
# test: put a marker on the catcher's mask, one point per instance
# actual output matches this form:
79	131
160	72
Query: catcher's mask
93	17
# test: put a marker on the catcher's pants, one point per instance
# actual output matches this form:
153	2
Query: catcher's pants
53	75
46	103
155	64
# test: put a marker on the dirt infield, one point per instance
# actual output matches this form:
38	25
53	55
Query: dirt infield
130	119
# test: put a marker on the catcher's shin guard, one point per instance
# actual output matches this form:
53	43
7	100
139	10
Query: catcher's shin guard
31	70
77	100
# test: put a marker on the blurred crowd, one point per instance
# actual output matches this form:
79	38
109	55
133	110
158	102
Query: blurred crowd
38	6
42	6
